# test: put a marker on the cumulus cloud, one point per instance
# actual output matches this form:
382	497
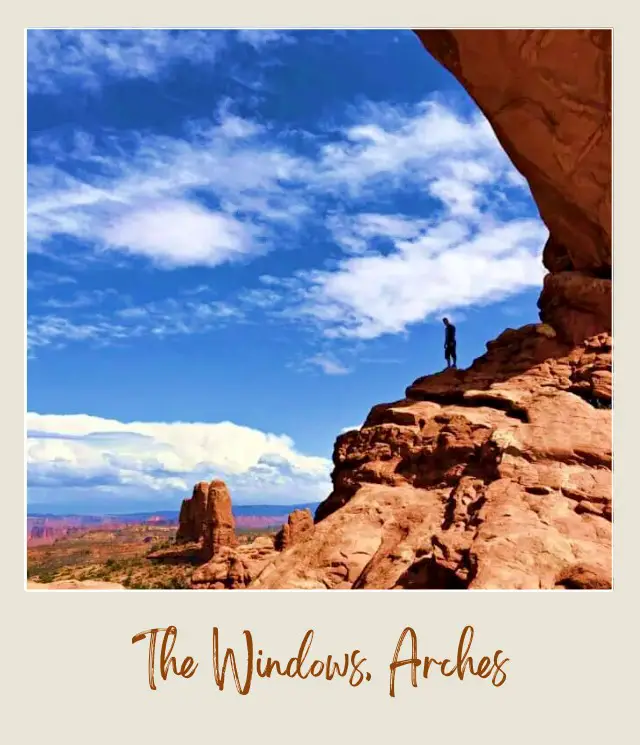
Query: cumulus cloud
162	460
178	234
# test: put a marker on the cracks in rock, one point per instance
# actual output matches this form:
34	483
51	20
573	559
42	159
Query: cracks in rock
463	509
538	491
598	402
429	572
457	398
390	541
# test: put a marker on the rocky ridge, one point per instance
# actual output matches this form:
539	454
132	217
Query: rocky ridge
493	477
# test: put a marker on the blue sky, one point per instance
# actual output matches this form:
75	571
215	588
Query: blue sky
238	243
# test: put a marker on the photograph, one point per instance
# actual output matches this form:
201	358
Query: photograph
318	309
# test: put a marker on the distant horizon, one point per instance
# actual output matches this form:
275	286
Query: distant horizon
47	511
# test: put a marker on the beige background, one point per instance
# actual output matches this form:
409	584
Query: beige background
70	673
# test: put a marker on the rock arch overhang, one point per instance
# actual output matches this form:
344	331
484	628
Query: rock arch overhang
547	95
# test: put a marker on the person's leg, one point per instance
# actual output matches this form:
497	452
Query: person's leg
454	357
447	356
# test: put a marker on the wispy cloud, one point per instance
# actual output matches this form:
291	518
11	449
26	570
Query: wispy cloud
235	188
450	265
148	460
328	364
158	319
40	280
58	331
260	38
83	299
90	59
152	196
86	58
478	245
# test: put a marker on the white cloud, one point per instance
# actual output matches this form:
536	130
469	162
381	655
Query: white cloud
260	38
476	246
89	58
40	280
159	319
398	144
145	196
350	429
448	266
328	364
56	331
175	234
162	460
81	299
470	241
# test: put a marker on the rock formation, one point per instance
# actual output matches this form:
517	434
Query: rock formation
547	95
219	528
192	515
206	518
493	477
499	476
299	524
234	568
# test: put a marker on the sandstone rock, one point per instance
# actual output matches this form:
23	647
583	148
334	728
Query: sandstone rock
509	487
206	518
234	568
192	515
299	524
578	304
547	96
219	526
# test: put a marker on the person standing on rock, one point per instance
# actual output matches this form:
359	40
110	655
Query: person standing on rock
450	343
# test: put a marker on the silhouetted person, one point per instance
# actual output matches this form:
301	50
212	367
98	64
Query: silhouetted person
450	343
